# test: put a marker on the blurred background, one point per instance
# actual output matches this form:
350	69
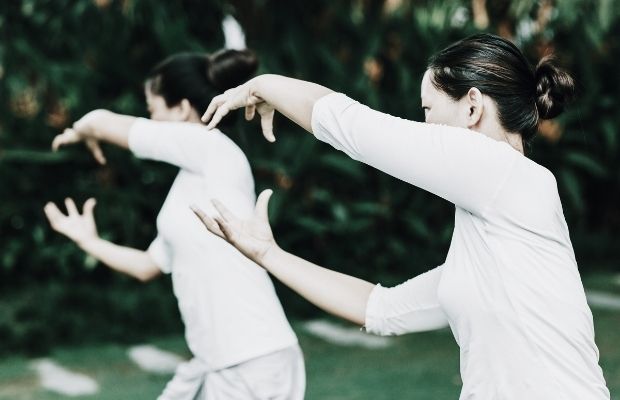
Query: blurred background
60	59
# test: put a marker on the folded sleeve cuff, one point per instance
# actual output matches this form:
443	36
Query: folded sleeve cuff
374	311
158	251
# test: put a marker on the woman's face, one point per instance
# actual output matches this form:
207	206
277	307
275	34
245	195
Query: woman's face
159	110
439	108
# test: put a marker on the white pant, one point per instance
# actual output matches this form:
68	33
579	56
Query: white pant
276	376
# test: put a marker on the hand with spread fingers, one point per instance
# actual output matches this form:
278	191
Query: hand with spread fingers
83	130
241	96
78	227
340	294
252	237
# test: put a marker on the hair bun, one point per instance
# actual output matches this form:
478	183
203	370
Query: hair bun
554	89
229	68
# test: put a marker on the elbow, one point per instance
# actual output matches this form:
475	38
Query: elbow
146	276
379	326
381	331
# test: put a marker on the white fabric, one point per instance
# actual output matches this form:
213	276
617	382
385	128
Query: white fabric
228	303
187	383
509	288
160	252
279	375
234	38
412	306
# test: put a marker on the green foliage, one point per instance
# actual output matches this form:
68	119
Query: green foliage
60	59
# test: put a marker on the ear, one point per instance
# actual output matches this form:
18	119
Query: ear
475	104
185	110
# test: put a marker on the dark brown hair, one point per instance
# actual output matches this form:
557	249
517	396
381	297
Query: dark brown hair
199	77
524	95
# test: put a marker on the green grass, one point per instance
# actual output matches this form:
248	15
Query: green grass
417	366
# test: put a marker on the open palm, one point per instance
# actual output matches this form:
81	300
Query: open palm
252	237
77	227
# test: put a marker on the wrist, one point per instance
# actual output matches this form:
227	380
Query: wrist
87	242
88	126
258	85
269	256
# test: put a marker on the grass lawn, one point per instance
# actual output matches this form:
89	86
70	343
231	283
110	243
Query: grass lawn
417	366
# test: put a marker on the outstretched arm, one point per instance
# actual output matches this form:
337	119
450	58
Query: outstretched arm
82	230
264	94
410	307
96	126
182	144
339	294
464	167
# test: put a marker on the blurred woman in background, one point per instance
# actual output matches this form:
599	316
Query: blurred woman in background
242	343
509	288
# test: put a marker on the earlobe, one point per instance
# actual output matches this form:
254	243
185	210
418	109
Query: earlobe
474	96
185	109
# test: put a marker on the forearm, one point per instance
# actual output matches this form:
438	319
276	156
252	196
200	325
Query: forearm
132	262
339	294
109	127
292	97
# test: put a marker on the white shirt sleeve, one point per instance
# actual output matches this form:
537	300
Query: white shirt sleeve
178	143
412	306
459	165
159	251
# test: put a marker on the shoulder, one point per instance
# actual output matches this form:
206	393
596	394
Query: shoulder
530	189
224	141
537	174
144	126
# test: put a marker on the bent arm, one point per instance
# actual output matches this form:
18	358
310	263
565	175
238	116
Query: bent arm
186	145
412	306
338	294
462	166
182	144
106	126
459	165
129	261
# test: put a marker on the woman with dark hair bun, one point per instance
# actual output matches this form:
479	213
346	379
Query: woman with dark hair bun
242	343
509	288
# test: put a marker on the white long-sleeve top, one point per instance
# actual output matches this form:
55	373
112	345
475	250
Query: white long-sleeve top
228	303
509	289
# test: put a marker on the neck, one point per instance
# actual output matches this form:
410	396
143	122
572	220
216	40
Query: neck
495	131
489	125
516	141
193	117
